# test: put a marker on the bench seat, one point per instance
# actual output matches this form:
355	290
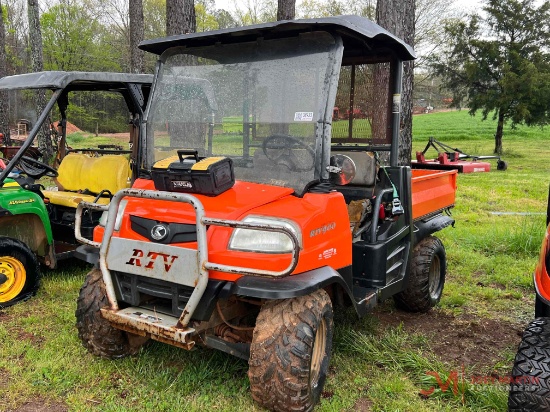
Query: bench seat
82	173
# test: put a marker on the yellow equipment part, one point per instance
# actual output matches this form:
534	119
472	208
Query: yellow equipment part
12	269
80	172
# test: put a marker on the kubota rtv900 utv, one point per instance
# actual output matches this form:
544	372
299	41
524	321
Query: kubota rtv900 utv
246	238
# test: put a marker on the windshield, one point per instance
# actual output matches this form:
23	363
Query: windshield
262	103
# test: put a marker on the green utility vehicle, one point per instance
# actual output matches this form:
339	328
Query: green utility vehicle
37	225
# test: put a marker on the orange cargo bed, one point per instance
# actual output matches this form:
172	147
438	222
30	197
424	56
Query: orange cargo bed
432	191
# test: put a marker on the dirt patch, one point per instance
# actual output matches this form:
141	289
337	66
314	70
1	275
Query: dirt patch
41	405
35	340
362	405
4	317
71	128
4	378
465	340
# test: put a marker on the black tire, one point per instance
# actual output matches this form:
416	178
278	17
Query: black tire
502	165
290	352
427	277
19	272
530	381
96	333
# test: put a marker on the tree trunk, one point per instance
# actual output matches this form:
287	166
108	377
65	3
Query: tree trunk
4	120
499	133
35	38
180	17
286	9
397	16
135	9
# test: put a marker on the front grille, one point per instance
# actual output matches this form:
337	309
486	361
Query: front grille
173	232
165	297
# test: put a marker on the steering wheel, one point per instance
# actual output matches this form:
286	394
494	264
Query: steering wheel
282	150
35	168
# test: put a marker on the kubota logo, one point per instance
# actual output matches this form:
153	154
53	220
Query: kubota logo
148	262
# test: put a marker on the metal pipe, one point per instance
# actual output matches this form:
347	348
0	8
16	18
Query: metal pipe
32	135
396	112
78	221
376	213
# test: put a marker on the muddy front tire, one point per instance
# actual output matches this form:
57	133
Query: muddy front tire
96	333
19	272
290	352
427	277
530	381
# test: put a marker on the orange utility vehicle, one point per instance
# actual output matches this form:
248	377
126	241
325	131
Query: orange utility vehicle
530	377
246	243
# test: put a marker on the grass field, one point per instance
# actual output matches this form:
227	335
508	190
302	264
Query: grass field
380	363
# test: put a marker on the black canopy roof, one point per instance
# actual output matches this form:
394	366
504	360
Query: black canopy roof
76	80
360	35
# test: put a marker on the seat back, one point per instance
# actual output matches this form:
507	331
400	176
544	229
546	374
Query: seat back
70	171
78	171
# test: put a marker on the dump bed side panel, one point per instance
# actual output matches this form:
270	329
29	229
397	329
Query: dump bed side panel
432	191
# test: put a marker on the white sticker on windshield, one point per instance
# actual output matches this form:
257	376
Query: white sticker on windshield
303	116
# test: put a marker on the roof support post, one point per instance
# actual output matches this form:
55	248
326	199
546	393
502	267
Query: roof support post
397	71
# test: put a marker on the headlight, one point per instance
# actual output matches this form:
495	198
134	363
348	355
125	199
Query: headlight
264	241
119	214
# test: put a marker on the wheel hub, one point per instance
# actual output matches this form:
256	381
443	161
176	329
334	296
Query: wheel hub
434	276
12	278
318	354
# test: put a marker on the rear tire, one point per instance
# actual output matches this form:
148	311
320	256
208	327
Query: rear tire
19	272
427	277
95	332
290	352
530	382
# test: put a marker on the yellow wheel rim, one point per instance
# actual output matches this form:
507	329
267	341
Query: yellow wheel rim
12	278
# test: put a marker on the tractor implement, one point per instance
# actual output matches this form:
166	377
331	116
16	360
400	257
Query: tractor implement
449	158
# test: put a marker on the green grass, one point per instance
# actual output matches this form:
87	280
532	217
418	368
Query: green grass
375	364
499	216
82	140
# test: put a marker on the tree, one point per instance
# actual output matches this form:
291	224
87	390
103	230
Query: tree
4	126
499	63
180	17
205	20
429	19
286	9
255	12
35	38
16	32
224	19
314	8
135	11
398	17
71	37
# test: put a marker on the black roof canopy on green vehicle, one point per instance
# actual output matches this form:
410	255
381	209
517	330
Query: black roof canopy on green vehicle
360	36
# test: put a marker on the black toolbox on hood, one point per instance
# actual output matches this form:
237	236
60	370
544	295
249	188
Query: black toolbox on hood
188	173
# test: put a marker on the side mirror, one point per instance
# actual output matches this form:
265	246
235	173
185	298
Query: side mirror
341	170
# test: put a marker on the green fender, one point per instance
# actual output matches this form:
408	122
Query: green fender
34	230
